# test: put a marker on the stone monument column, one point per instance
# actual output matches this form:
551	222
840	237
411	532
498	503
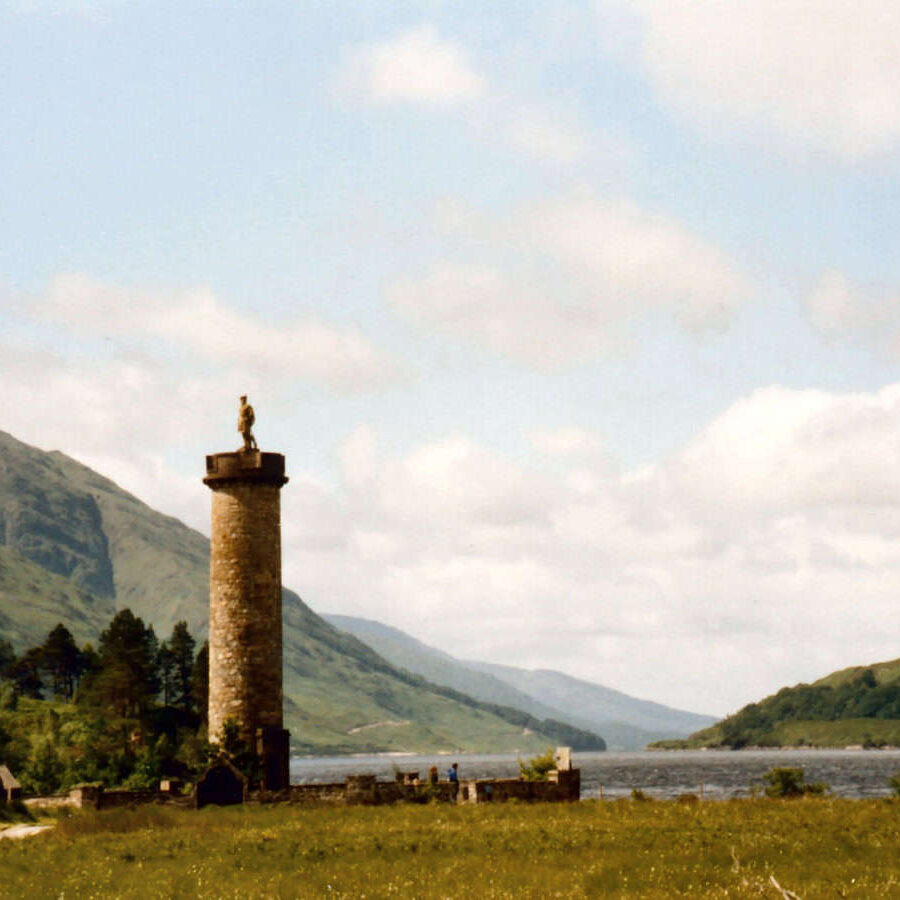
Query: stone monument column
245	664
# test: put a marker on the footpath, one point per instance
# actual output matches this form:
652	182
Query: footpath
16	832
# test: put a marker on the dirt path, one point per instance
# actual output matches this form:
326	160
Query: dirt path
388	723
16	832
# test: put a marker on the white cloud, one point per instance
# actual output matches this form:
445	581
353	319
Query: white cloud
549	131
121	417
503	313
197	321
796	450
630	257
585	267
773	536
93	405
415	67
421	69
833	305
566	442
821	74
840	309
358	455
539	131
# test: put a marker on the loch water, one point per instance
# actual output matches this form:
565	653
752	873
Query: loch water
720	774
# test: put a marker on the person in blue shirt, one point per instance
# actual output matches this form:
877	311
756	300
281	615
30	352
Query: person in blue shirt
453	773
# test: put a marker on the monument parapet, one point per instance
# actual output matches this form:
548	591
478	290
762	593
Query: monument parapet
245	465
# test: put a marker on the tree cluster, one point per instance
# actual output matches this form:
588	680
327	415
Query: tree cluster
860	697
126	713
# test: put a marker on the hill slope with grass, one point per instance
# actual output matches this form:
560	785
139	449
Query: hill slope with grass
625	722
75	548
858	706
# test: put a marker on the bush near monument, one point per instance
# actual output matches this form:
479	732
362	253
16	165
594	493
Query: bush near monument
539	767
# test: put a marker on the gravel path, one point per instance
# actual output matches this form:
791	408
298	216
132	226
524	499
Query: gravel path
16	832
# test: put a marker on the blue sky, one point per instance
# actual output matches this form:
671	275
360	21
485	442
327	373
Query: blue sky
577	322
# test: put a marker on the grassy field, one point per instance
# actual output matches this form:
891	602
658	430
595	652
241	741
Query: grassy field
813	847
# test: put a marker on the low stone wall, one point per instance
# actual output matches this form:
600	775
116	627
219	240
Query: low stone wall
94	796
319	793
115	799
367	791
564	788
54	801
357	790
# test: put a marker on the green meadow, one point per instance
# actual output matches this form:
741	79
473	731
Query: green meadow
812	847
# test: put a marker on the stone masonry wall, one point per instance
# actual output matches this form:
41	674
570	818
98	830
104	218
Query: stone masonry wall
245	674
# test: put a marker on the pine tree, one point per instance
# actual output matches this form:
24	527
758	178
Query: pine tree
200	680
128	680
165	662
7	658
61	658
182	645
43	770
25	673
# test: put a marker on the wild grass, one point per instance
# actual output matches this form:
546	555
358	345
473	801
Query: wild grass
814	847
14	813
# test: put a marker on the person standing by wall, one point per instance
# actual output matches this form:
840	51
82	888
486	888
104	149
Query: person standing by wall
453	776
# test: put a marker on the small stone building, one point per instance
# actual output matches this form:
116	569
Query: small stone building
221	784
10	789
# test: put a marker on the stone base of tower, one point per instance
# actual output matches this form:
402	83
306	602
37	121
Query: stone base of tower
273	747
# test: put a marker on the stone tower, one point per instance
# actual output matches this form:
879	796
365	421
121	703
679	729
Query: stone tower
245	667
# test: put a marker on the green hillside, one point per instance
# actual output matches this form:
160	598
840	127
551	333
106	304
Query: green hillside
160	566
625	722
884	673
50	598
74	548
407	653
859	706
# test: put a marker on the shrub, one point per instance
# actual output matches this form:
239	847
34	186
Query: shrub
788	781
42	769
241	753
894	785
9	699
538	767
638	795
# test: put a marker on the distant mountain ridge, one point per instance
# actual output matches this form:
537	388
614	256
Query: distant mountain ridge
626	722
75	548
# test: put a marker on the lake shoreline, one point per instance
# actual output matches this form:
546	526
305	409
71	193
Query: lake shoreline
658	773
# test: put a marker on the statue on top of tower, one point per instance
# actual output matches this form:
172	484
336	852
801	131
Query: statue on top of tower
246	418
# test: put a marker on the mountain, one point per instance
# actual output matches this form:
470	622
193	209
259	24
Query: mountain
75	548
625	722
858	706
